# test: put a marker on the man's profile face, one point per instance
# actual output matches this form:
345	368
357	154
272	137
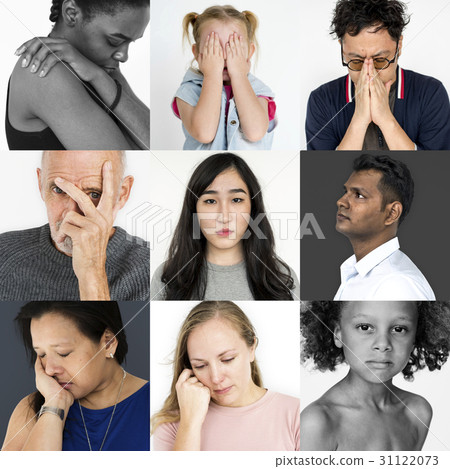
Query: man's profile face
370	44
361	214
84	170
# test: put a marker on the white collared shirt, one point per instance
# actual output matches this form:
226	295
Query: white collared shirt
386	273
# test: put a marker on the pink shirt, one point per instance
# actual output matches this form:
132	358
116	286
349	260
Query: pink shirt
270	424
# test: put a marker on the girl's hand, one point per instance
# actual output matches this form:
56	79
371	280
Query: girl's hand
54	394
211	58
41	54
236	50
193	398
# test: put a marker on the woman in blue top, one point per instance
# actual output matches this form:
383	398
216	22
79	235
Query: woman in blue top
85	400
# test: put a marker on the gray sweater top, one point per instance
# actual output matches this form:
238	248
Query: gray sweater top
31	268
223	282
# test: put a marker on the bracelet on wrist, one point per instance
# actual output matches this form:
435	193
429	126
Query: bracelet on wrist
117	98
51	410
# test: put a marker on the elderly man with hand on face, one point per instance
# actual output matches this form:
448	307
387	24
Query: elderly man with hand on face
79	254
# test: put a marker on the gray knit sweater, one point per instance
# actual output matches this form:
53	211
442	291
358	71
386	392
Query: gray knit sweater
31	268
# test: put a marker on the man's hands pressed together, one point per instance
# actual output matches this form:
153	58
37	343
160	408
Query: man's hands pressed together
372	105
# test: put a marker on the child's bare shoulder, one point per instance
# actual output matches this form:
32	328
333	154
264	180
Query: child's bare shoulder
318	425
419	412
417	405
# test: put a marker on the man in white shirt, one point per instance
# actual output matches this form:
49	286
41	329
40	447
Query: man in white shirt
377	197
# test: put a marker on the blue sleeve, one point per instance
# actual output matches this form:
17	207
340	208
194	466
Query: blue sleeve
189	93
319	130
434	127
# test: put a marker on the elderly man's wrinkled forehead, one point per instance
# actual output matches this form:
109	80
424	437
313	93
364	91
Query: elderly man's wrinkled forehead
79	163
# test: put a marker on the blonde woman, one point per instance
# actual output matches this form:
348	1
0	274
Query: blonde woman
217	399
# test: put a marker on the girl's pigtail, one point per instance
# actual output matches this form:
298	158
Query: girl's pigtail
188	20
252	21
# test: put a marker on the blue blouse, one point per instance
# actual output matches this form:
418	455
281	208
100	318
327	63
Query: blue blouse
129	429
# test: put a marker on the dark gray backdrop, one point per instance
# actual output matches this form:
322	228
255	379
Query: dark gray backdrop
17	379
424	235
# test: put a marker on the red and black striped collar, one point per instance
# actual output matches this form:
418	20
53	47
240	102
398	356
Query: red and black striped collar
350	89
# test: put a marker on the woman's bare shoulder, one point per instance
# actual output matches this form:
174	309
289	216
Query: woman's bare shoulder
34	89
63	102
20	424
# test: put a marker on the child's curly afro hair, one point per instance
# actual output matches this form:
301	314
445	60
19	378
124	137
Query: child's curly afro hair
318	320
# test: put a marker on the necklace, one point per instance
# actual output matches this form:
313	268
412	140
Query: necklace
110	420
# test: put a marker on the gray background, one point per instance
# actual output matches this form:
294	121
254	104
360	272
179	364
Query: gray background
18	376
423	235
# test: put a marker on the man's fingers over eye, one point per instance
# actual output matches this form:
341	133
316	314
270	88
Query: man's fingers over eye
82	199
106	204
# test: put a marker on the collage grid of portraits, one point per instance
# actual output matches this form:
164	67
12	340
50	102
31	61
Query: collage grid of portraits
295	54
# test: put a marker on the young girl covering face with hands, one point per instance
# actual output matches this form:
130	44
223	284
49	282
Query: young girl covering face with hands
223	247
221	105
378	340
217	401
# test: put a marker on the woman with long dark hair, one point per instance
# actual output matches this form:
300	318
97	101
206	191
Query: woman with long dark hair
85	400
67	91
223	247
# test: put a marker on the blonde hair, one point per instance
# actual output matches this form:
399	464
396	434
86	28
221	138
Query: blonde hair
222	13
203	312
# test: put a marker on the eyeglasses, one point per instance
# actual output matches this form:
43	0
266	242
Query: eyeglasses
380	63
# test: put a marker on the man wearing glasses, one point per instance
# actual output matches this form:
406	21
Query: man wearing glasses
378	105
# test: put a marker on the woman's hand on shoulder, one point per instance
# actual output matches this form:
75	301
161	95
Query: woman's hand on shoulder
193	398
54	394
41	54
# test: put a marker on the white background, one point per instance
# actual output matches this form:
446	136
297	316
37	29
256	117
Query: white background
20	20
425	46
206	459
278	175
277	66
21	203
278	351
291	31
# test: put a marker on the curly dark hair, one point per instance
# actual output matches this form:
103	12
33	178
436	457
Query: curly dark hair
396	182
351	16
318	320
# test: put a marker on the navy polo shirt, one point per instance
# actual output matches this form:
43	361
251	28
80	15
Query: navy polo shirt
421	108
